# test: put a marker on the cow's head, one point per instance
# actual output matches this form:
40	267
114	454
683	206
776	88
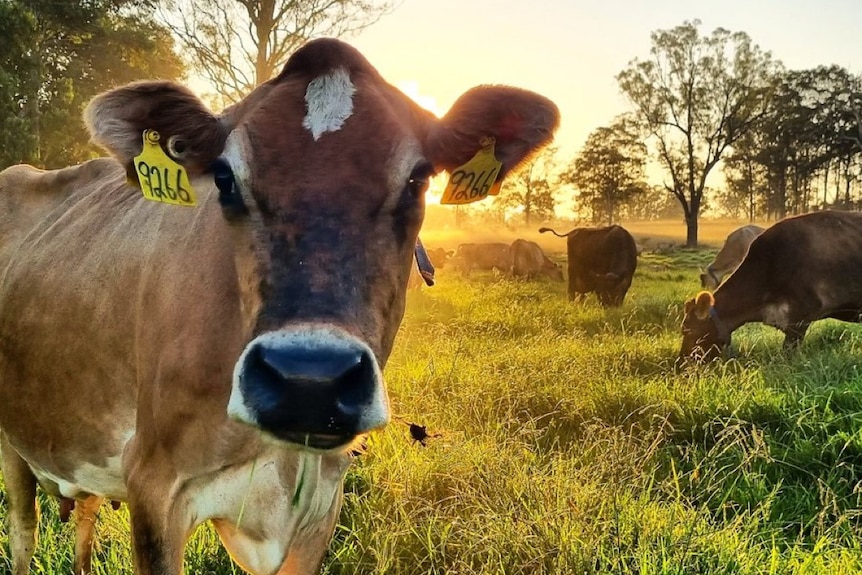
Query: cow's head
552	270
610	288
320	176
703	335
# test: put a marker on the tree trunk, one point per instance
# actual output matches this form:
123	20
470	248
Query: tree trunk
691	231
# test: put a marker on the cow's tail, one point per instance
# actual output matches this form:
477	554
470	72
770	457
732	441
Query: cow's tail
543	230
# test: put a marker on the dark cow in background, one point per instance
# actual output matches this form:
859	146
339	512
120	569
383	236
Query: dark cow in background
529	261
440	257
730	255
483	256
235	346
800	270
600	260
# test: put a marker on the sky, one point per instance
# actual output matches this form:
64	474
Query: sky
572	50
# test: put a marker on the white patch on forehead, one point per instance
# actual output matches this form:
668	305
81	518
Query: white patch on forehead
329	102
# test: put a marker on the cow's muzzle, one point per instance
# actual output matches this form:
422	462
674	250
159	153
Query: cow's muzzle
316	387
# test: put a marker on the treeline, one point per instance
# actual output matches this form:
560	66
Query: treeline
701	106
56	55
708	105
805	153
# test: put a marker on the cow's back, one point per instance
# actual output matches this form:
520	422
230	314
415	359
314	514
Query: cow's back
483	256
527	258
730	255
811	257
610	249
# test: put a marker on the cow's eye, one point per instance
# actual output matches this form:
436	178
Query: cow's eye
419	178
228	195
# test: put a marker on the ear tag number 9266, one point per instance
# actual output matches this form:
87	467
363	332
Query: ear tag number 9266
475	180
161	178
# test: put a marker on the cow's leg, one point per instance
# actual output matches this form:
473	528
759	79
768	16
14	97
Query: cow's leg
159	526
85	513
23	513
793	334
158	536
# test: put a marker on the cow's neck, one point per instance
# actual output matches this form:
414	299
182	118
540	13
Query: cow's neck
735	306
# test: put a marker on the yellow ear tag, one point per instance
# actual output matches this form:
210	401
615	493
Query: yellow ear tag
161	178
475	180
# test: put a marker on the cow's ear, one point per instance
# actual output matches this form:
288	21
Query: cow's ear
703	302
521	122
188	131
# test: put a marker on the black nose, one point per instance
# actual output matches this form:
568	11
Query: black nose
311	393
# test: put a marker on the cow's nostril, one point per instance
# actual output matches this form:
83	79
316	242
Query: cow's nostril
314	389
292	364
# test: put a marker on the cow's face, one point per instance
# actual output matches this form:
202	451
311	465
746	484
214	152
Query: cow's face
702	336
320	175
553	270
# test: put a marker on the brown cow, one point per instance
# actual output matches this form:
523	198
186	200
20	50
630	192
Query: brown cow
437	258
730	255
233	366
529	261
800	270
483	256
601	260
440	257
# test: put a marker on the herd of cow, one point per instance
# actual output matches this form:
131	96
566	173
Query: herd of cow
216	360
600	261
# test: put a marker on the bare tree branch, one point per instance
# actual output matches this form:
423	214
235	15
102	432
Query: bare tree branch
237	44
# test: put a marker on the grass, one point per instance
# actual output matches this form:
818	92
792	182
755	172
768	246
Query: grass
571	445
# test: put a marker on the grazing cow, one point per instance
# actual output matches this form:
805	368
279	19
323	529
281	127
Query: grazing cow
529	261
728	258
483	256
800	270
233	366
422	273
601	260
440	257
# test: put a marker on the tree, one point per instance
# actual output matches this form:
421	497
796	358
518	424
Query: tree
695	97
609	170
56	56
531	188
806	139
238	44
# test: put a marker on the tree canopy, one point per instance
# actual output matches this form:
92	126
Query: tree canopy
530	189
237	44
56	56
803	152
609	170
695	97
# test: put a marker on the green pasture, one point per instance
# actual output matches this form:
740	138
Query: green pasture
569	444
